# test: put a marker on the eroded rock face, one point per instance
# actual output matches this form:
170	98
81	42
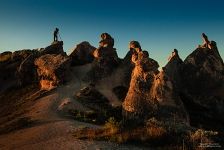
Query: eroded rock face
91	97
82	54
52	70
105	62
138	103
10	67
203	78
26	71
203	70
170	105
173	69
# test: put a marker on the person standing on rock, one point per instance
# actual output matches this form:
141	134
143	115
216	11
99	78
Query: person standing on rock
56	31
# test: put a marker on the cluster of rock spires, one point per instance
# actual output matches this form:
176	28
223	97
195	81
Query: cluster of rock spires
189	90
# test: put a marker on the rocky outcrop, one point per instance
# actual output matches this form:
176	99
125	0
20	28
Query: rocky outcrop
105	61
173	69
12	74
27	70
82	54
194	86
170	105
56	47
91	97
138	103
203	78
203	70
52	70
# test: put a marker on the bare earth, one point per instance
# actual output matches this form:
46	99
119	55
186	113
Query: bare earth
52	130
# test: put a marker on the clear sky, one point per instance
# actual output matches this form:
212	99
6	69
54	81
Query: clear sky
159	25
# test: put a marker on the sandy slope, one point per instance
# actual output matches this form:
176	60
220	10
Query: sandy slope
51	130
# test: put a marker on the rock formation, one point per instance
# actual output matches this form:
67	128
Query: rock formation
170	105
27	70
203	69
56	47
106	40
203	78
105	59
91	97
183	90
82	54
173	69
52	70
138	103
12	68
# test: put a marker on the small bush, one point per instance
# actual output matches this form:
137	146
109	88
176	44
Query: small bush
112	125
155	129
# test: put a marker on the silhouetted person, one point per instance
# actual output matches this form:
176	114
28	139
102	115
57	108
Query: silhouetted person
56	34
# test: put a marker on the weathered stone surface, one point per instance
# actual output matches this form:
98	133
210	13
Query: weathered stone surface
173	69
105	62
170	105
9	65
203	70
203	78
52	70
82	54
138	103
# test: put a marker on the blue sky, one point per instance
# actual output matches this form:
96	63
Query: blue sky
159	25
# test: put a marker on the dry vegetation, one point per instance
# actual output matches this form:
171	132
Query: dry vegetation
154	134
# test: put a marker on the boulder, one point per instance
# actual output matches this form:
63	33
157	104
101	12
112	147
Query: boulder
52	70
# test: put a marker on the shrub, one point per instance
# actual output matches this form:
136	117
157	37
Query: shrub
112	125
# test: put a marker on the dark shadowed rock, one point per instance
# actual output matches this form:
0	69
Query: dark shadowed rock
91	97
120	92
52	70
170	106
203	78
55	48
203	70
105	62
173	69
9	65
82	54
26	71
